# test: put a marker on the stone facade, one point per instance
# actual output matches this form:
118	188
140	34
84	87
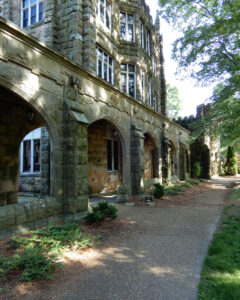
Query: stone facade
56	86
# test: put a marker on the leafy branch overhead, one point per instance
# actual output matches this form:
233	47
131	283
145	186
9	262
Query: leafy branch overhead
209	50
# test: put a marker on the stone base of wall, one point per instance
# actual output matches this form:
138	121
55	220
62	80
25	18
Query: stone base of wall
23	217
29	185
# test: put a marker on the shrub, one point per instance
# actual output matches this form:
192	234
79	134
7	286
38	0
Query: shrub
196	171
174	189
186	184
159	190
231	163
102	211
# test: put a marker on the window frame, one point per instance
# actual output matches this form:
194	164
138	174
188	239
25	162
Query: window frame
31	171
148	42
126	22
112	141
154	63
149	98
128	73
28	7
98	58
143	85
142	35
98	14
154	102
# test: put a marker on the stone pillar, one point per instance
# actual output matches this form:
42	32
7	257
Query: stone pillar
182	162
89	35
137	161
164	156
45	162
75	149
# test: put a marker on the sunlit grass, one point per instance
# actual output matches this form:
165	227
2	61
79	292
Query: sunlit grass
220	278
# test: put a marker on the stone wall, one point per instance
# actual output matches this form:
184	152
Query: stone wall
99	179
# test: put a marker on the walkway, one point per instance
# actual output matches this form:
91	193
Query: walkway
160	259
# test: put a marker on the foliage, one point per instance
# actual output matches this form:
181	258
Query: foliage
220	274
159	190
194	181
102	211
231	163
174	103
36	255
209	51
174	189
235	194
196	170
186	184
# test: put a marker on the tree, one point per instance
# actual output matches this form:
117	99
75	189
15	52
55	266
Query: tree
209	51
231	163
174	103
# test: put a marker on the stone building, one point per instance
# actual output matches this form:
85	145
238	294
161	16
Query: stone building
92	73
205	150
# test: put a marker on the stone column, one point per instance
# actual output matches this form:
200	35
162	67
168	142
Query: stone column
137	161
75	149
45	162
164	156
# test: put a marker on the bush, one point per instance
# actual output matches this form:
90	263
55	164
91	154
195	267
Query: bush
159	191
196	171
102	211
174	190
231	163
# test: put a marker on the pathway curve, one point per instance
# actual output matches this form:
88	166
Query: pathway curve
160	260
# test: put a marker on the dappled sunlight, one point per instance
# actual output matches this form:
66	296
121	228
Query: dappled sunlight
161	271
30	84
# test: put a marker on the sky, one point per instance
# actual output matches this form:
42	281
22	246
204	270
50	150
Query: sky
188	92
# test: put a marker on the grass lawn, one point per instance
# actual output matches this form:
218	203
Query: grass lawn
220	277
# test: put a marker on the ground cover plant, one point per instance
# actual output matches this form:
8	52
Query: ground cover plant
159	190
221	269
101	212
36	255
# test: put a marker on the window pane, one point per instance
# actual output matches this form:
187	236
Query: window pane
25	18
130	32
123	67
105	71
33	1
36	156
40	14
109	155
122	16
130	18
123	83
131	68
131	85
27	156
123	31
25	3
110	75
116	155
110	61
33	14
100	73
102	12
107	19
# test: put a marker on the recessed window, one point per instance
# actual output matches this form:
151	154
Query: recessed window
142	74
128	79
148	42
104	12
30	150
32	12
154	63
112	155
154	102
105	66
142	35
149	91
127	27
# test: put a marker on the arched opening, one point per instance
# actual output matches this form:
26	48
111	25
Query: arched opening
105	158
34	164
18	118
150	160
172	159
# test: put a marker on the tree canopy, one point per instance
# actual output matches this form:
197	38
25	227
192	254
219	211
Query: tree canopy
174	103
209	50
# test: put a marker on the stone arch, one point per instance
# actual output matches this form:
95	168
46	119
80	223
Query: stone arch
20	114
151	164
106	166
172	158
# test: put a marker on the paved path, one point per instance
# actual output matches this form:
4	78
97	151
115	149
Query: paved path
161	260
